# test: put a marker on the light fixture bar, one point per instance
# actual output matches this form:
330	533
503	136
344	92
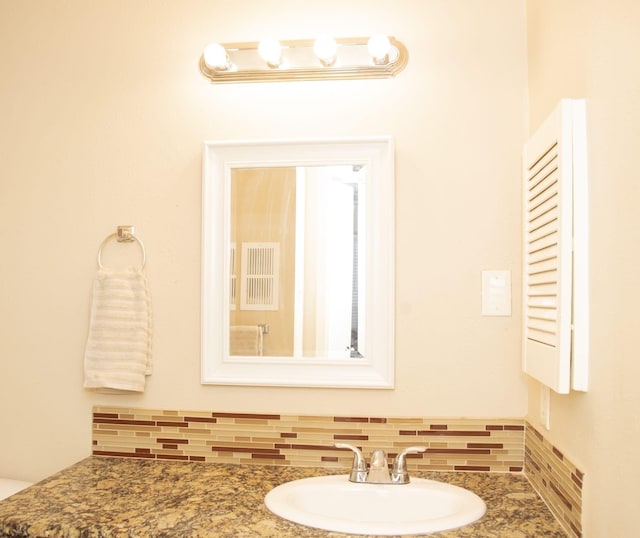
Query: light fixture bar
299	62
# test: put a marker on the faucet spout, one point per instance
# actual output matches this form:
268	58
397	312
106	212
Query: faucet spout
379	469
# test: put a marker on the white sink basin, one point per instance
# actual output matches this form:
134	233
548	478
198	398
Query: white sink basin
333	503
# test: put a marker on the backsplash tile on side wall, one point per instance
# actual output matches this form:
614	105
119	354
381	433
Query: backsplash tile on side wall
495	445
556	479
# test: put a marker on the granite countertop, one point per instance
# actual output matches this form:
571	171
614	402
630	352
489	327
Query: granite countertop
122	497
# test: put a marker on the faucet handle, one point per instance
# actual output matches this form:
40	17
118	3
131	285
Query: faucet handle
399	473
359	467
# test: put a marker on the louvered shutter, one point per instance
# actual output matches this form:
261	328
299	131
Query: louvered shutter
259	275
548	248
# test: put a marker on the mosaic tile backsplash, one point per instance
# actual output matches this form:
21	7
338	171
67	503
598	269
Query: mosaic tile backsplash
485	445
557	480
491	445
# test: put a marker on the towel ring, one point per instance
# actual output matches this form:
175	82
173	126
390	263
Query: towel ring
125	234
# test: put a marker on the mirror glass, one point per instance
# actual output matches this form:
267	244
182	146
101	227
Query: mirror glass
297	252
297	261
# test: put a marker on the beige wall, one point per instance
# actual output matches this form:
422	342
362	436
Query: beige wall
103	115
589	49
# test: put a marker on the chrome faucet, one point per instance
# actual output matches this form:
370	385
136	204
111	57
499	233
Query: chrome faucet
378	471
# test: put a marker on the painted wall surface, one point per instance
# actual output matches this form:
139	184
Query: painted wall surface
583	49
104	112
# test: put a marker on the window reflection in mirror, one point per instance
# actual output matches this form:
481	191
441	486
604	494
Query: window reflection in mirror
297	261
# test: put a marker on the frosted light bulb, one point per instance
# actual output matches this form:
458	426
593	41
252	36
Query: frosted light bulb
216	57
325	48
270	51
379	47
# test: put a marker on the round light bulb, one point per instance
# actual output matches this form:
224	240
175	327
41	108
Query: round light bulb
215	56
270	51
325	48
379	47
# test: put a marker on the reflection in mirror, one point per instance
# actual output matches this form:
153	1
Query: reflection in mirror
297	261
297	283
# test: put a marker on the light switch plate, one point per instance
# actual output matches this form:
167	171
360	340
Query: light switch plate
496	293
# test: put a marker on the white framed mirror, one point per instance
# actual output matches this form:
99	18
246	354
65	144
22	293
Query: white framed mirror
298	263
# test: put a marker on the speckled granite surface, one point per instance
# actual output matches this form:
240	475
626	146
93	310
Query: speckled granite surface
123	497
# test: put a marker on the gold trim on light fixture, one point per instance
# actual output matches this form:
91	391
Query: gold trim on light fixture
299	62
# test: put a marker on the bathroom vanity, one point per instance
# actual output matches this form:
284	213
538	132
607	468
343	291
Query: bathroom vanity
118	497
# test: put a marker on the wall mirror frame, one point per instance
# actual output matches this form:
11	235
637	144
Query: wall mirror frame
375	368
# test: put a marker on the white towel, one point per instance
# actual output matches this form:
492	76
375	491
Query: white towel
245	340
118	353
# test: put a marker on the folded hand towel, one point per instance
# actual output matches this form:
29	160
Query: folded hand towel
118	352
245	340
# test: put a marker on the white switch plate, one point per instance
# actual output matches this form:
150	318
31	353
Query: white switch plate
496	293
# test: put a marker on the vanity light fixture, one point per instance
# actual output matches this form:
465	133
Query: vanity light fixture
325	58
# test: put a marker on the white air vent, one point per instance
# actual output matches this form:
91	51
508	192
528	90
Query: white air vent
555	293
259	275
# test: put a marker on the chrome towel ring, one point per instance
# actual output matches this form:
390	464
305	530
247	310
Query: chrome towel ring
125	234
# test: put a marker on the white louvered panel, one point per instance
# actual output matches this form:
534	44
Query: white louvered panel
547	247
556	305
259	274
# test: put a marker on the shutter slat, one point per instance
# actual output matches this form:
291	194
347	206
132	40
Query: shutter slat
547	314
545	188
547	207
547	290
543	278
543	254
548	265
545	228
